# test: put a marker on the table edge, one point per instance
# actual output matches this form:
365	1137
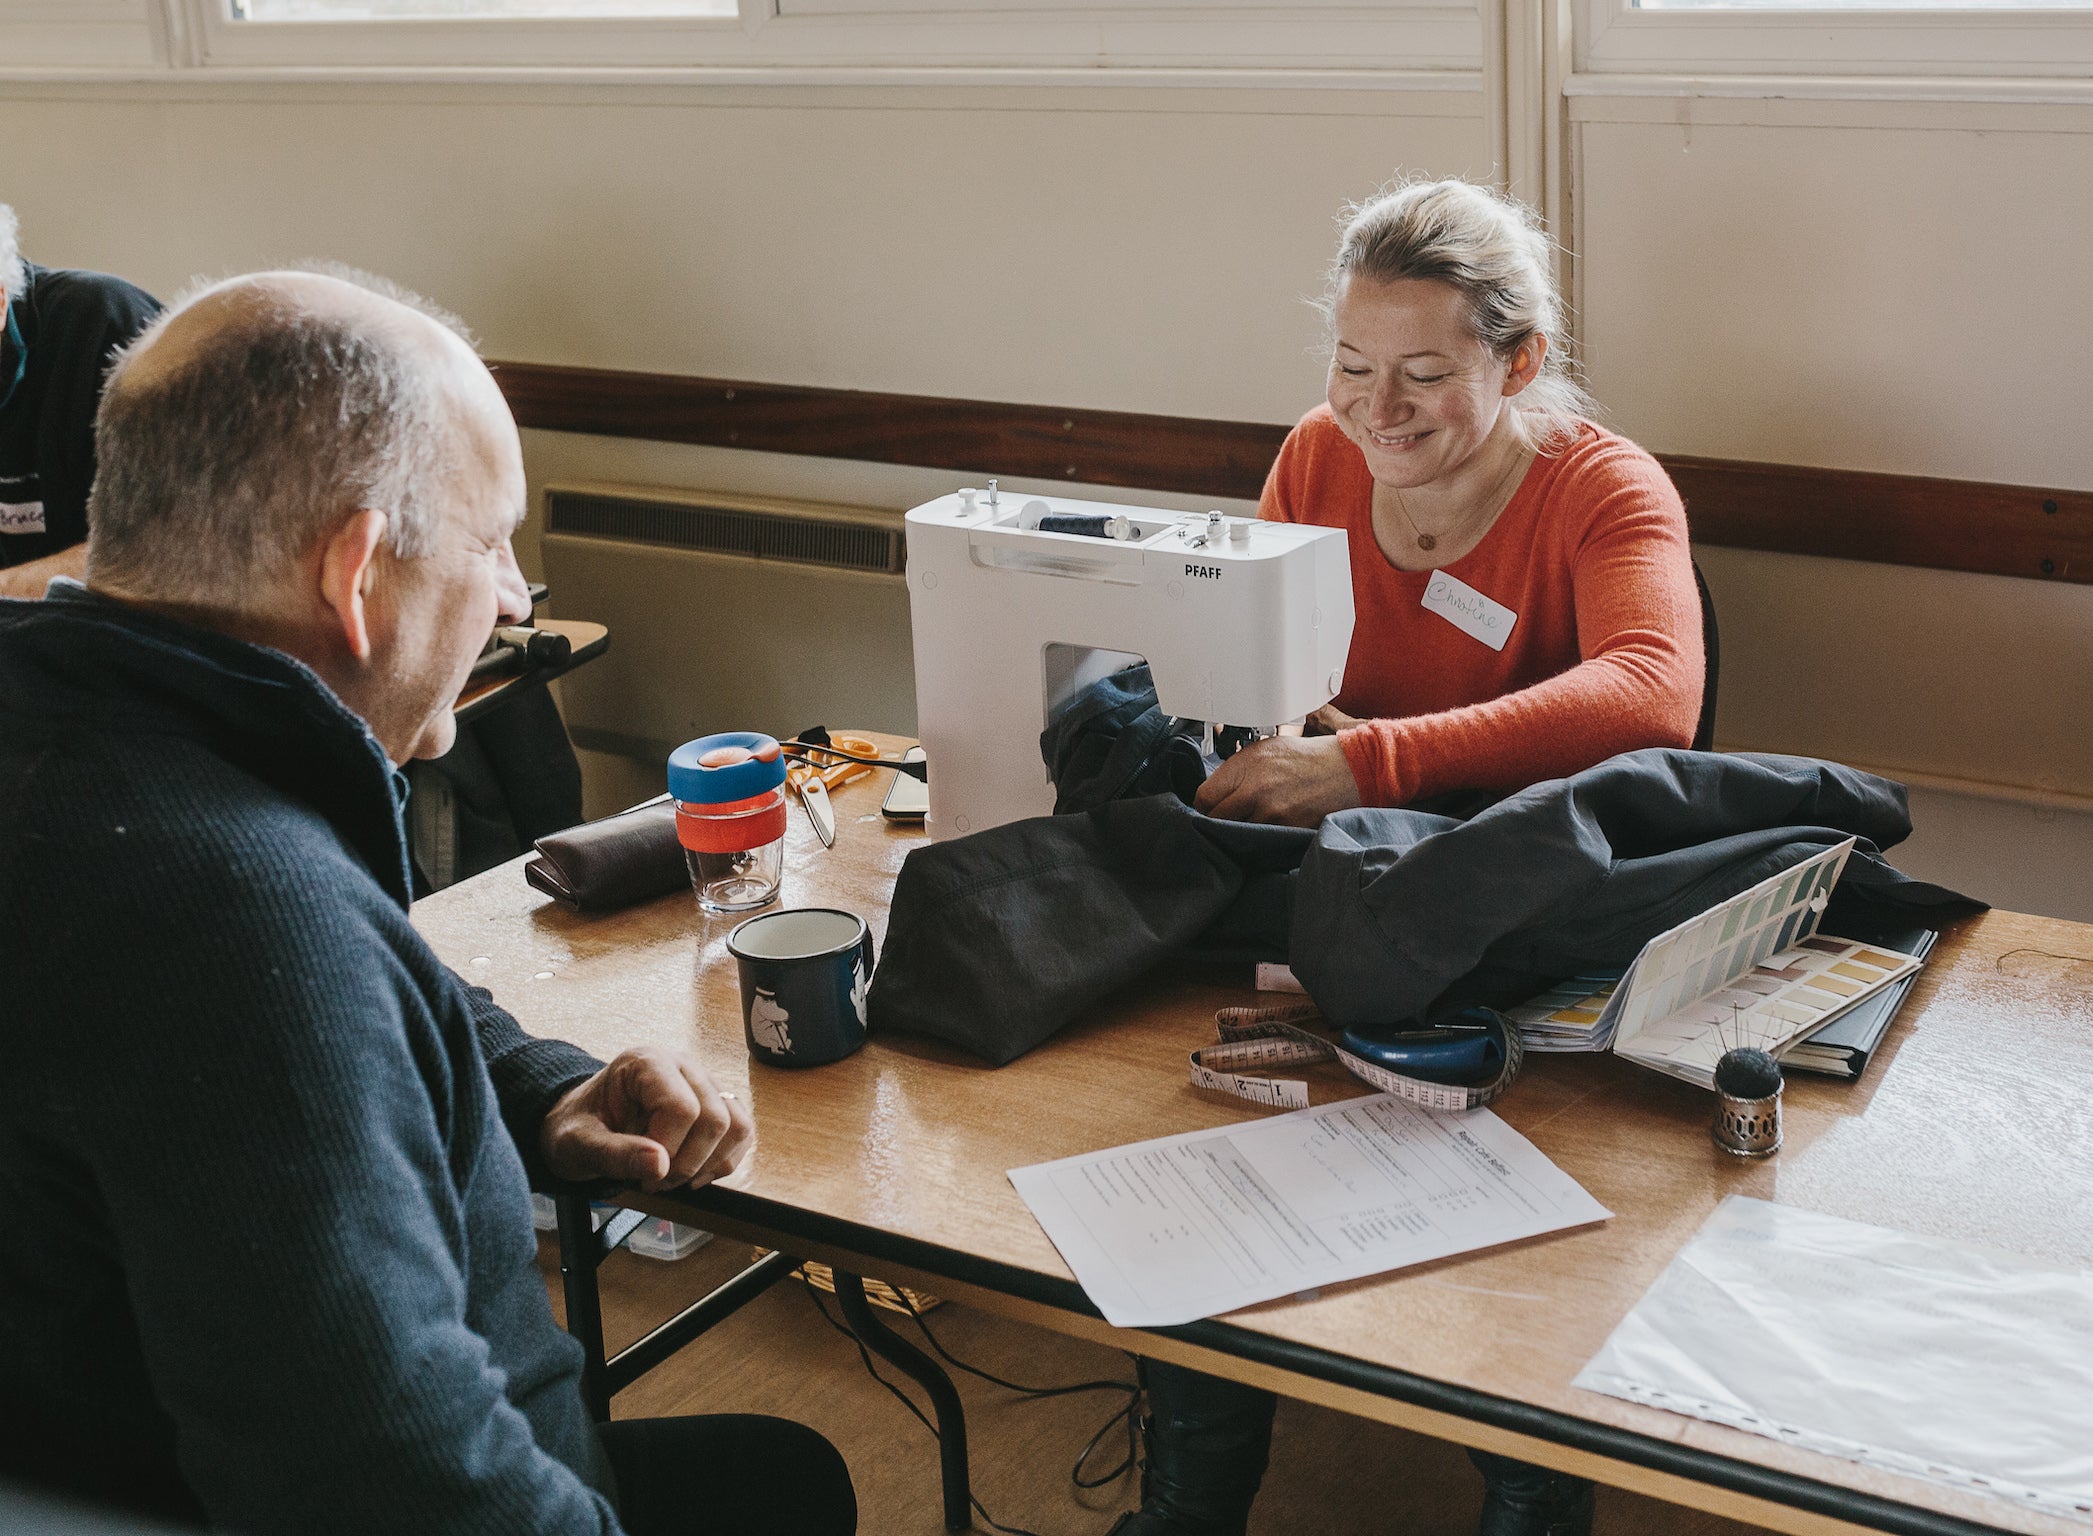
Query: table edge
1871	1511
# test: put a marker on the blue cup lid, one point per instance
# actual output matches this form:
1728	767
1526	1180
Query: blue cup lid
694	784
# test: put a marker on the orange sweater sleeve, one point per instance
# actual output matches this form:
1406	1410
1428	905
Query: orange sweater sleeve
1638	680
1280	500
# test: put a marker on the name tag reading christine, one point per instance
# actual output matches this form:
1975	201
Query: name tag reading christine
1474	615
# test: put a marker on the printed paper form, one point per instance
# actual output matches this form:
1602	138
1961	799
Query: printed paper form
1185	1227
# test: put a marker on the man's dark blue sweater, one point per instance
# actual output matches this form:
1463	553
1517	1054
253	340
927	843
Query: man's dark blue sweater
268	1253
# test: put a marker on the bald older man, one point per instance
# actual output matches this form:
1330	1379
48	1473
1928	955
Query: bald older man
263	1159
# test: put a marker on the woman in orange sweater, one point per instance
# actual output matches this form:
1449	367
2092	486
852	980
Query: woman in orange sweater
1525	608
1525	603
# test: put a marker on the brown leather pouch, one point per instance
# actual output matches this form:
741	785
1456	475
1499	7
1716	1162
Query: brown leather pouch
620	861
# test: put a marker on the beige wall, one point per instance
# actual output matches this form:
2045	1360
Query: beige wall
1878	286
1142	250
1893	287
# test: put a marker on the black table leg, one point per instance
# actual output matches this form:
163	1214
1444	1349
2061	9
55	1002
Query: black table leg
928	1374
581	1250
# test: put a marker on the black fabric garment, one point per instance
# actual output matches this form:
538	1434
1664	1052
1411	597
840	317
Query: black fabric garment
1394	907
1113	741
70	325
997	940
512	778
269	1249
729	1474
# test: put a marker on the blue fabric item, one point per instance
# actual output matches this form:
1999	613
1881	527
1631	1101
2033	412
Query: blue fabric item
693	784
269	1254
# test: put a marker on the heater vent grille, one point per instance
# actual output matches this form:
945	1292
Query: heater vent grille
802	540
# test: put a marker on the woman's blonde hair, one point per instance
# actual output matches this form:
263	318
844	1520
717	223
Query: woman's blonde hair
1491	250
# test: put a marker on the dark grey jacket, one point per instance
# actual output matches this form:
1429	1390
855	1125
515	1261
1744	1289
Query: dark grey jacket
998	940
269	1254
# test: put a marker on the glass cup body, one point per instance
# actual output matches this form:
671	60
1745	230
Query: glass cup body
742	861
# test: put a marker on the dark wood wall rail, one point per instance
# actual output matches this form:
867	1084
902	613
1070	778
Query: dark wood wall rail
1955	525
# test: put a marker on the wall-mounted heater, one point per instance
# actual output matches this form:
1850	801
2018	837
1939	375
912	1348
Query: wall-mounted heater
728	612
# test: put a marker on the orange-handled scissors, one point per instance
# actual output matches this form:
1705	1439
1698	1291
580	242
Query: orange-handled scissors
813	770
832	768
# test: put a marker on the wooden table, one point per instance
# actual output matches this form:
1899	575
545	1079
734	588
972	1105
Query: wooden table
1972	1123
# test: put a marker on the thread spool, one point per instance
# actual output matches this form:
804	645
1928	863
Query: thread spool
1748	1103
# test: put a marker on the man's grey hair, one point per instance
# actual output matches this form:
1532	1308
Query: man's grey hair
12	274
216	475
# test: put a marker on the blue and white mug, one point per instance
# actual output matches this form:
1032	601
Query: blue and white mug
804	975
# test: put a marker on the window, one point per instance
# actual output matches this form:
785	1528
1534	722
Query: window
1435	44
429	10
1863	5
2028	39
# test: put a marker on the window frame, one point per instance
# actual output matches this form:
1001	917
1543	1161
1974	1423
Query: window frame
1614	37
1261	38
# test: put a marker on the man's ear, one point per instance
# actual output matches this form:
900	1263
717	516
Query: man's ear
348	558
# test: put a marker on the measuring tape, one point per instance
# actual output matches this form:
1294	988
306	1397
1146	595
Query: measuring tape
1272	1036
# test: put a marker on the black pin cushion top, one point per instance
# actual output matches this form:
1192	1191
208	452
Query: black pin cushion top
1748	1074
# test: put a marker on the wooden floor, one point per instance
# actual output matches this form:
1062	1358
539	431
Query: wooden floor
777	1356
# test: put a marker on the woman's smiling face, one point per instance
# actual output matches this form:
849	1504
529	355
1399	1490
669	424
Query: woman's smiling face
1409	382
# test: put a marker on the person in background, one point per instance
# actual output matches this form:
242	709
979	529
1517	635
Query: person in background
1526	608
62	330
264	1160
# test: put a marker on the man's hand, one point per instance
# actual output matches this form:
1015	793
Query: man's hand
1294	781
651	1118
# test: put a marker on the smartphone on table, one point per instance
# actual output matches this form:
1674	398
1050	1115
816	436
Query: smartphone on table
908	798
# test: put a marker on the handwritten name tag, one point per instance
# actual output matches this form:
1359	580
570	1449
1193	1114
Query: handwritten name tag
21	517
1474	615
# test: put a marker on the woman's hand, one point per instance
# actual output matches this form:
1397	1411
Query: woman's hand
1294	781
1328	721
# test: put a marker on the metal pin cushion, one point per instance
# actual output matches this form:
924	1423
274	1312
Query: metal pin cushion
1748	1103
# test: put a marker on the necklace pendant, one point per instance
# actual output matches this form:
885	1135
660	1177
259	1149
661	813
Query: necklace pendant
1426	541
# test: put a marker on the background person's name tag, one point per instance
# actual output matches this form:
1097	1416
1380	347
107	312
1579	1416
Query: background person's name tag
21	517
1474	615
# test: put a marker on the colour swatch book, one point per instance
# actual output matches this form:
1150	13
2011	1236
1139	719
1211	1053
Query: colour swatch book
1752	970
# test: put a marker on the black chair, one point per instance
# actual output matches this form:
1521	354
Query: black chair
1711	641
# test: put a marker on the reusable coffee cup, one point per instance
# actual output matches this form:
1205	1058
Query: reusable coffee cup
730	818
804	975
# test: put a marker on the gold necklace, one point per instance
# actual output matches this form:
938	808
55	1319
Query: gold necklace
1429	542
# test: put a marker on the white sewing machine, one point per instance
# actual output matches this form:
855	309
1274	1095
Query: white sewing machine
1241	622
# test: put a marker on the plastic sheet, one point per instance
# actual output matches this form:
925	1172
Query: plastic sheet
1961	1365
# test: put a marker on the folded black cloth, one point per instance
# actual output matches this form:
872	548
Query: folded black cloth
619	861
997	940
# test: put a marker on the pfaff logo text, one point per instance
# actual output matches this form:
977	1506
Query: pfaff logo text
1208	572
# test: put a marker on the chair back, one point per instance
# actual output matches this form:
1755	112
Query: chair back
1711	642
